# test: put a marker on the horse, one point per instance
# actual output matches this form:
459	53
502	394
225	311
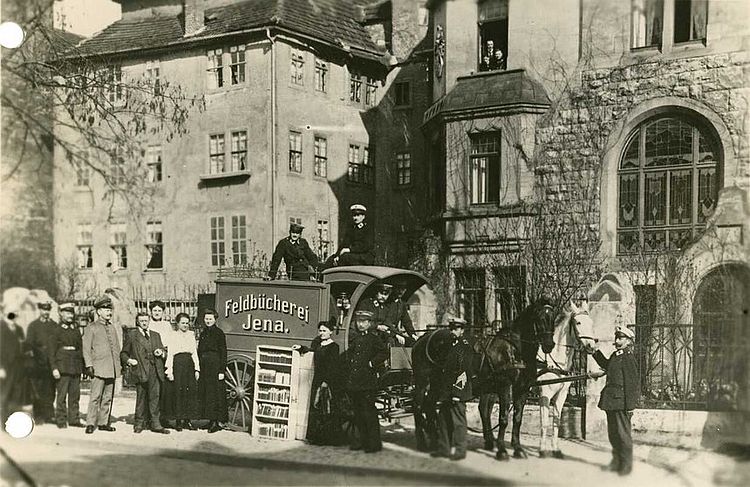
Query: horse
498	376
574	331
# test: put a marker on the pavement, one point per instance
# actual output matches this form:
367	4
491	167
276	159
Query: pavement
52	456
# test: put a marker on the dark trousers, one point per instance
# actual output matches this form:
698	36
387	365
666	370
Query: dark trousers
147	400
44	395
100	401
366	419
452	427
618	429
68	397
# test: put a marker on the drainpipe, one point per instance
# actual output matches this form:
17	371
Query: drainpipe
273	137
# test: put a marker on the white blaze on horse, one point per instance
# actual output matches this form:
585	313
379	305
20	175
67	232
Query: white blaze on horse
574	331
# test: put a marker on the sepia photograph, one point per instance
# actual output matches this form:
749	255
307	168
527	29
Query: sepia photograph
375	242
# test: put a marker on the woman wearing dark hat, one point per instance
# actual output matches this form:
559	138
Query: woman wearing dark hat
357	248
212	357
324	425
299	259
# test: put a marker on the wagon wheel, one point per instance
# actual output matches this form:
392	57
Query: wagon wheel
239	378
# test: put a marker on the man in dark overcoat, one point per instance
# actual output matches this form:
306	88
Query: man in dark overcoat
101	357
400	318
620	397
366	352
453	394
357	247
298	257
40	338
382	313
68	366
143	354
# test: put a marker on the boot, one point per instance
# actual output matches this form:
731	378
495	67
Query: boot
214	427
178	425
187	424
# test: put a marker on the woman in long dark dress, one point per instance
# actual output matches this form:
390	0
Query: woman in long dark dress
212	355
324	420
183	372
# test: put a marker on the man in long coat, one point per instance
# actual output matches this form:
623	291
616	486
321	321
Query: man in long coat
68	366
40	338
299	259
101	357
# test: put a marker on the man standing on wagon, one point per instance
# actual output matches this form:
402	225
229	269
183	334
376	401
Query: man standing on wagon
299	259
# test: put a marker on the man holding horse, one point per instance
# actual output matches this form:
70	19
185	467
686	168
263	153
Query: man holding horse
455	391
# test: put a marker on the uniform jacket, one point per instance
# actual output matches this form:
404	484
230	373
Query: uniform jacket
136	346
365	352
41	337
68	350
457	371
622	390
295	256
359	239
101	349
401	315
382	314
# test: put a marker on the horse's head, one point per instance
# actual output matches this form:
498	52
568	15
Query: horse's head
583	325
543	324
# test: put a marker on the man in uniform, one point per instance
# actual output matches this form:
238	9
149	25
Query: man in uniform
299	259
619	398
41	339
383	315
101	357
68	366
401	320
453	395
357	246
366	352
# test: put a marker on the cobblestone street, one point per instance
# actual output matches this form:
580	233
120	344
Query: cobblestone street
68	457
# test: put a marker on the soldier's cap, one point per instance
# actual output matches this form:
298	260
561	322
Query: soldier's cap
103	302
456	323
68	306
295	228
625	331
385	287
153	304
362	314
357	209
44	305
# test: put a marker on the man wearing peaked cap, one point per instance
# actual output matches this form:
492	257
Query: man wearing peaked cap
101	357
68	366
620	397
358	242
41	338
299	259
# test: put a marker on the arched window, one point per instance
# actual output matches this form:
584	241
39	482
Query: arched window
668	181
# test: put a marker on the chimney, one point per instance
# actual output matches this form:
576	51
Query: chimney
193	12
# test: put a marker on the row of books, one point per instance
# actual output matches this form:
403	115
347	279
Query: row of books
274	394
273	430
273	410
274	377
276	357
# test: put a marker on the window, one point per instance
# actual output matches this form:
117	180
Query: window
84	246
423	14
324	243
118	242
154	246
321	157
484	172
113	83
401	94
153	161
690	20
646	23
117	168
321	75
295	151
668	185
371	93
237	64
239	151
403	168
470	297
216	153
355	87
510	293
296	220
239	240
298	67
83	170
360	169
215	69
153	73
493	34
217	241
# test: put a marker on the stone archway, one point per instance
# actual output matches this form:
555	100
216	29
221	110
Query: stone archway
721	343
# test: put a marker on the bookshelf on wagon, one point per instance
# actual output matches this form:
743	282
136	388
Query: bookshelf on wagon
276	392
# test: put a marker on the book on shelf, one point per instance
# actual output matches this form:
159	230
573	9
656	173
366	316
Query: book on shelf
276	357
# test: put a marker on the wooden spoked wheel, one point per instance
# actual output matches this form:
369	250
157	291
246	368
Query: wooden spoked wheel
239	379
